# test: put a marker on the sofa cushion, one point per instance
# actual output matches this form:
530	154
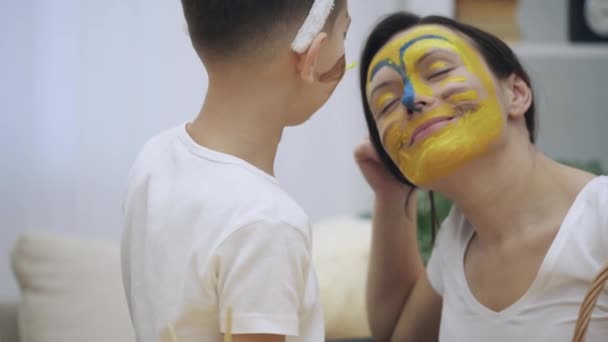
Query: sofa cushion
8	322
341	256
71	290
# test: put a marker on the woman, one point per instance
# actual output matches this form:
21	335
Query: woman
450	109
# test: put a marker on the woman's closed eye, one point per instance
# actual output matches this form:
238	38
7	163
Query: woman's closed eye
438	74
388	106
385	102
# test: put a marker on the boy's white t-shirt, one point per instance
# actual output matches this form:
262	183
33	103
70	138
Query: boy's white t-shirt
205	232
548	311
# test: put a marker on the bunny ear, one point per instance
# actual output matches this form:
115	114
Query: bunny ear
313	25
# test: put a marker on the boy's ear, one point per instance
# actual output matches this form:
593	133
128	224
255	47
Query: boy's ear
307	61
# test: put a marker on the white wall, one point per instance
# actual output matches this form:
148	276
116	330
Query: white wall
85	83
570	86
15	97
431	7
569	82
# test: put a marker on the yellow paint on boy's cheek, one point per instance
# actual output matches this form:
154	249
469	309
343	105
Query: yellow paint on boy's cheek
461	141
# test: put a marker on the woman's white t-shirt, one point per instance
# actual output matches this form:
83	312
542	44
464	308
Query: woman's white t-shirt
549	309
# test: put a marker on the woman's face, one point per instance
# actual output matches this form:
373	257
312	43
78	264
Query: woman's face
434	101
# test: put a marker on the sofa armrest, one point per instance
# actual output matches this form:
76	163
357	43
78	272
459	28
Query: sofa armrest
9	331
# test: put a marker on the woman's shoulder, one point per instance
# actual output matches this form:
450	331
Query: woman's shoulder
598	193
581	182
592	205
591	214
589	191
595	193
602	185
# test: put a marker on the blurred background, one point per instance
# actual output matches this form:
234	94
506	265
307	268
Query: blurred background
84	83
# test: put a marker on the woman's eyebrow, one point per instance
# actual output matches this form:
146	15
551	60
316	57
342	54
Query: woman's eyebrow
427	55
441	53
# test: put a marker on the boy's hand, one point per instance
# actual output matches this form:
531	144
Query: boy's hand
382	182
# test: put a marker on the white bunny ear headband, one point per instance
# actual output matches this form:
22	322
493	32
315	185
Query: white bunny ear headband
313	25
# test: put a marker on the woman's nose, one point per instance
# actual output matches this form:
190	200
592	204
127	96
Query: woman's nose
414	103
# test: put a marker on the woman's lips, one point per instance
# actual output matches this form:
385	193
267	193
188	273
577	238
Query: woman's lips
429	128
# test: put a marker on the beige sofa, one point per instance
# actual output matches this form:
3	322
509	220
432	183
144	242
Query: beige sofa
9	332
71	289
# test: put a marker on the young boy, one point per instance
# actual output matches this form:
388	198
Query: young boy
208	227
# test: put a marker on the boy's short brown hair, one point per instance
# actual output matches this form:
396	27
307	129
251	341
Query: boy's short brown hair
232	28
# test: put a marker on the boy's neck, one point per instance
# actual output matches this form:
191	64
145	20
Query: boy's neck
243	119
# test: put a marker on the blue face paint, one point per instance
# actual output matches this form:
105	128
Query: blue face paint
409	95
386	63
414	41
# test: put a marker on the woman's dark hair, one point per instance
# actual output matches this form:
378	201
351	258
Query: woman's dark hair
497	54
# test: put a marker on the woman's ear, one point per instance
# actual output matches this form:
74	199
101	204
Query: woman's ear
307	61
519	97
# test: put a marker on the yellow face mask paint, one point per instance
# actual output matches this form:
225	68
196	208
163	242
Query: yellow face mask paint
385	99
469	95
449	113
454	79
438	66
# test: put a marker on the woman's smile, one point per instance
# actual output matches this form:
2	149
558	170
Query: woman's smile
428	128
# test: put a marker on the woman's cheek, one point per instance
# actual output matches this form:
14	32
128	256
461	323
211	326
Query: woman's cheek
391	133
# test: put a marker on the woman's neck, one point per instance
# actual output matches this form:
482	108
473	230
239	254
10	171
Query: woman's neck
508	192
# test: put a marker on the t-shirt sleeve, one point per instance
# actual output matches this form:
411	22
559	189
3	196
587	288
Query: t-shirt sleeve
262	275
